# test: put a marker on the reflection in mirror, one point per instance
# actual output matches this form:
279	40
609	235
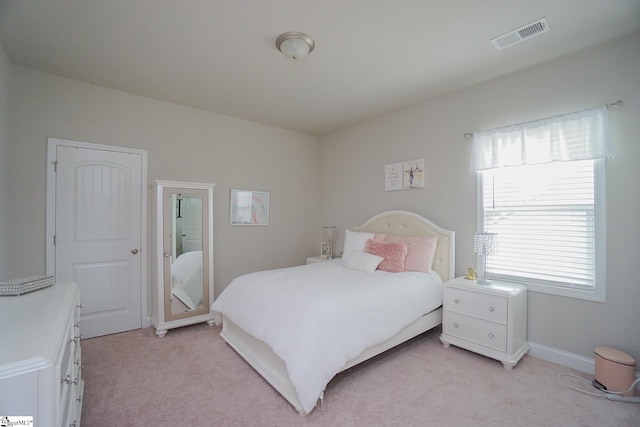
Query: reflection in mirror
186	230
184	255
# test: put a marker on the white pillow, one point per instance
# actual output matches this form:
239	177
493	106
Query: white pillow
354	241
363	261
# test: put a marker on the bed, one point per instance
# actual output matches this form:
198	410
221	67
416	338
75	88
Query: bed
186	279
270	344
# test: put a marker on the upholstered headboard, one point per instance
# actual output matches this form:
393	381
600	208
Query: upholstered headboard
404	223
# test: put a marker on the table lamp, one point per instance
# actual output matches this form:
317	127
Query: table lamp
485	244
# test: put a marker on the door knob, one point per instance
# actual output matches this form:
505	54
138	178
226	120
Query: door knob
134	251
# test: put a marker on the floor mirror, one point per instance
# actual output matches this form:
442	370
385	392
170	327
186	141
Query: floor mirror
182	237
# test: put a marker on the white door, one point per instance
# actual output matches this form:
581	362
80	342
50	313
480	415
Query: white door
192	223
98	234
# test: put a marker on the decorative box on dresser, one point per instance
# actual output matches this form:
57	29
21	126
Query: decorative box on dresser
487	319
40	361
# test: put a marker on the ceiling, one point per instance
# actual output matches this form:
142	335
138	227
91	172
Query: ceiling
371	57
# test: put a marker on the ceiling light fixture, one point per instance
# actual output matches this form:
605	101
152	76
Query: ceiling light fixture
295	45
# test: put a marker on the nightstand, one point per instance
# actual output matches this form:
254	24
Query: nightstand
487	319
313	259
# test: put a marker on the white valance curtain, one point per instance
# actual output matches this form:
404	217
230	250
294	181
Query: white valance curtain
574	136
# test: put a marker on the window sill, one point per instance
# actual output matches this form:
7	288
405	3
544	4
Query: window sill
560	291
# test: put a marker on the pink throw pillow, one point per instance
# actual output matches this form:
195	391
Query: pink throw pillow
394	254
421	252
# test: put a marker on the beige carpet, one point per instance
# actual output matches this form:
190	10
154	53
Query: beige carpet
192	377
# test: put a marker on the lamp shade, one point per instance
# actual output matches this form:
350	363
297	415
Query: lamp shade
295	45
485	243
329	233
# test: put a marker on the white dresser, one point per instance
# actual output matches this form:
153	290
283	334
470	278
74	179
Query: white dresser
490	320
40	361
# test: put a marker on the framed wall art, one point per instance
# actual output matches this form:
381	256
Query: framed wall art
248	207
393	177
413	174
404	175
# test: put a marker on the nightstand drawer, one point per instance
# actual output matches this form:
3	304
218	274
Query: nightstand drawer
488	334
489	307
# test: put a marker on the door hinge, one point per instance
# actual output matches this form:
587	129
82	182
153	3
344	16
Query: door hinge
54	240
55	166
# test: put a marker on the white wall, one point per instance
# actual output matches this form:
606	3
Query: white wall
5	79
353	186
183	144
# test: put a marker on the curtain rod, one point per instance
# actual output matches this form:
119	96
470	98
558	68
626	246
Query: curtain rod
614	105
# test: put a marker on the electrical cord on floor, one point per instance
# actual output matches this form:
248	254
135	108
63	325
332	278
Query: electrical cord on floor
607	394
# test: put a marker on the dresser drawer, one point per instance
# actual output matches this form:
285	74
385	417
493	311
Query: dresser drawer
72	406
69	371
65	367
488	307
488	334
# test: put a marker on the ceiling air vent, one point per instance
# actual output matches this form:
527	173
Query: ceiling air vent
525	32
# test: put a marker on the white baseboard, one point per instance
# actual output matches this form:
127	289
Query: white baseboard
564	358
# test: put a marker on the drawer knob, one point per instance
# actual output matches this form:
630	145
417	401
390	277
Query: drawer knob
77	324
491	309
67	380
490	335
79	399
457	301
73	424
455	325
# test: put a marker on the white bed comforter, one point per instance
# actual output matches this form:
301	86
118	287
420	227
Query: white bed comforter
316	317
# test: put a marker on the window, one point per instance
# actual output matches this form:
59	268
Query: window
541	189
550	228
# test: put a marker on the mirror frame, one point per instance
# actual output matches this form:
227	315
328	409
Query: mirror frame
186	188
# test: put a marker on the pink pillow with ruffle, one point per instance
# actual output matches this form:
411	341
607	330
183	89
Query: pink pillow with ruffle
394	254
421	252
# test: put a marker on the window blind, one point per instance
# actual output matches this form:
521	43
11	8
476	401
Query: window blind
545	219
